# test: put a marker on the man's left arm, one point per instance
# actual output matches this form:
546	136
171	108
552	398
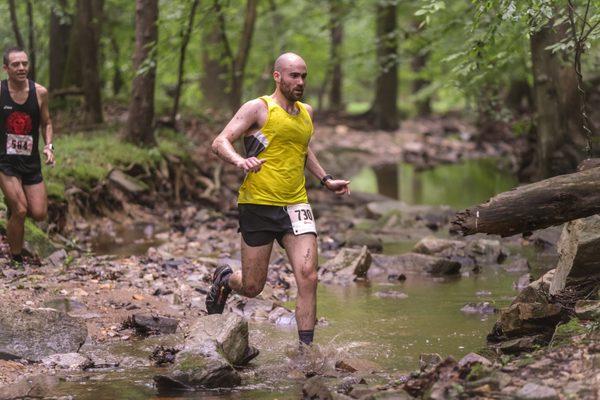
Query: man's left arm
339	186
46	125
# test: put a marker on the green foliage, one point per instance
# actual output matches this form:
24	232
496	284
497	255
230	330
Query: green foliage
84	159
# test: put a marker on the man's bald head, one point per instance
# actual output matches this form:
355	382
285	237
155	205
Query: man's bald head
287	60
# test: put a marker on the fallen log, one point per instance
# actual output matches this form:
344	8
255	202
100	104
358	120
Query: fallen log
535	206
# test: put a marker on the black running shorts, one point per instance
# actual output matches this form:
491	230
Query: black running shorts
261	224
29	177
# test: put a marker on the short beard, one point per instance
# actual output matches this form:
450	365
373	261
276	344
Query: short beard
289	94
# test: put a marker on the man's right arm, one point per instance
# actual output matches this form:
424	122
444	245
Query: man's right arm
247	117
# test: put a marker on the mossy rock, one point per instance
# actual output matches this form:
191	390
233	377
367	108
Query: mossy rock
564	333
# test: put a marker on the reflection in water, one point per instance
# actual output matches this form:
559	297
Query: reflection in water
456	185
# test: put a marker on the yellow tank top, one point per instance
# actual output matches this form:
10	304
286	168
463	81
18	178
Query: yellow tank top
283	143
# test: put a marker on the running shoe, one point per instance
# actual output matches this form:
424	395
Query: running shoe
219	291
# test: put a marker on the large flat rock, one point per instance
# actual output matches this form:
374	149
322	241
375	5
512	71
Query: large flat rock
35	333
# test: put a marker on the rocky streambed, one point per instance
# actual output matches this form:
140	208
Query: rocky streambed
403	307
82	324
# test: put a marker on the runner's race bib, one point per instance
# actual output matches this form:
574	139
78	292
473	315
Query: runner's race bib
19	144
302	218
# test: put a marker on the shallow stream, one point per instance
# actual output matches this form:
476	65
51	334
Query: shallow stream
392	332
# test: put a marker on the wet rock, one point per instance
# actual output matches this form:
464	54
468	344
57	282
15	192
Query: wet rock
413	262
163	355
479	308
349	262
431	245
361	238
356	365
194	372
474	358
281	316
36	386
542	284
428	361
396	277
225	333
533	391
257	308
147	324
524	318
57	258
520	265
33	334
588	309
391	294
213	345
522	344
70	361
487	250
315	389
101	359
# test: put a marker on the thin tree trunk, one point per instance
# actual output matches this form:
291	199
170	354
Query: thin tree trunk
185	38
32	57
213	83
241	58
141	111
418	63
60	29
554	144
337	34
14	20
117	80
90	14
385	110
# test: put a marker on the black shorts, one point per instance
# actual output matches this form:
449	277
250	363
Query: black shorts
29	177
261	224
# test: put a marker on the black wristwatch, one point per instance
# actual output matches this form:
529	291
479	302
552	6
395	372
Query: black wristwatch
325	179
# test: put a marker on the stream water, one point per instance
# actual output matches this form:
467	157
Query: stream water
392	332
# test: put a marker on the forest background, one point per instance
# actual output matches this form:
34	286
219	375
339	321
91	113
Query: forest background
509	66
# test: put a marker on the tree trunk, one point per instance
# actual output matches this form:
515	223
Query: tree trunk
14	20
215	73
535	206
32	56
89	14
59	44
117	80
337	35
423	103
553	90
185	38
385	111
239	62
141	109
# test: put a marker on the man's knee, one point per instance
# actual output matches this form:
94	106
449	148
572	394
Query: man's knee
309	276
18	211
39	214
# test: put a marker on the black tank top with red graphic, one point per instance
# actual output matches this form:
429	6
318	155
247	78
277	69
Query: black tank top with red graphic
20	130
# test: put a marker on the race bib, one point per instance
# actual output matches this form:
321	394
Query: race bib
302	218
19	144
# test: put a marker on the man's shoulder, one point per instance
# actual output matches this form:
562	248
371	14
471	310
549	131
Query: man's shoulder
40	89
254	106
308	108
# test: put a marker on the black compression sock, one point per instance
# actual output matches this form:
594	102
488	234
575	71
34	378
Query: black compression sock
306	337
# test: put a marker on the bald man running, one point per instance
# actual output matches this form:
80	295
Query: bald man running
272	201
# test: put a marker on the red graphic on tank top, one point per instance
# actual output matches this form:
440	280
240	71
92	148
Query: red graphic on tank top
18	123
